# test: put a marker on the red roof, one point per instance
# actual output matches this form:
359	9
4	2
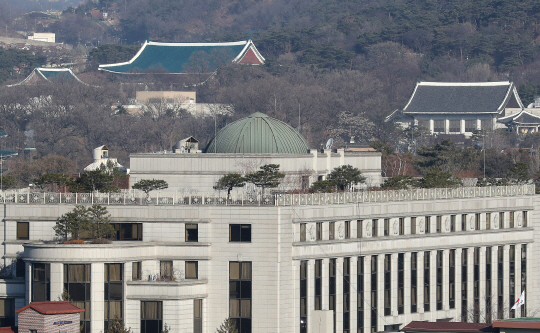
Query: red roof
8	329
52	307
250	58
425	326
516	323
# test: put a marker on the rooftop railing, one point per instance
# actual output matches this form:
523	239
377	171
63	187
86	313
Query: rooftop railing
178	198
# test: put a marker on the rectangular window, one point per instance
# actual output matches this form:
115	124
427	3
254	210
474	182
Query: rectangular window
455	126
486	124
402	226
452	223
239	232
151	316
386	227
192	232
413	225
452	279
464	279
439	277
463	222
438	126
476	221
401	283
192	269
166	270
476	285
332	288
359	229
488	221
470	125
302	232
426	280
331	230
136	271
439	224
374	228
374	294
501	220
23	230
303	295
114	293
77	285
197	315
347	229
500	282
346	294
512	280
318	284
319	230
240	286
524	276
7	312
361	296
511	219
428	224
414	282
41	282
127	231
387	284
20	268
524	222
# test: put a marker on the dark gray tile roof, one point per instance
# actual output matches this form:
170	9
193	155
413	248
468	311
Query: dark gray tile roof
523	117
433	97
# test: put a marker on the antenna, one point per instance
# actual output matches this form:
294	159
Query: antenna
329	143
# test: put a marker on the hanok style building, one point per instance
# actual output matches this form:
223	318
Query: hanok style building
48	75
175	58
458	108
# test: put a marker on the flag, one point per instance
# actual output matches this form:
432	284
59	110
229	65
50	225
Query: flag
520	301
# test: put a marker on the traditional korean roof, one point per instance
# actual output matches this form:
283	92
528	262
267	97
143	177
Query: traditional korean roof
48	308
521	118
258	134
49	75
173	58
462	98
440	326
6	153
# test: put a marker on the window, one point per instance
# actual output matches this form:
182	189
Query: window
332	288
166	270
439	224
401	282
486	124
20	269
192	270
23	230
523	275
374	289
428	224
414	281
452	223
240	285
151	316
7	312
114	277
470	125
346	294
360	296
387	284
464	279
359	229
455	126
239	232
511	219
500	280
524	224
347	229
374	228
386	227
302	232
331	230
463	222
128	231
488	221
319	230
41	282
476	221
33	331
501	220
136	270
197	315
489	284
402	226
512	276
426	280
77	284
318	284
303	296
192	232
452	279
438	126
413	225
439	277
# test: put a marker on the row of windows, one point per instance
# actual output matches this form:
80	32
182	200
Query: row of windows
133	232
427	224
431	265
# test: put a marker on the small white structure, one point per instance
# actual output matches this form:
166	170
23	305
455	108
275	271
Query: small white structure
101	157
49	37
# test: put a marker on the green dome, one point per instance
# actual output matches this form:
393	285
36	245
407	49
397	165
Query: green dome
258	134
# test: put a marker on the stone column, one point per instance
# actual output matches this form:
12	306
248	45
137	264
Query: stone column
97	292
462	126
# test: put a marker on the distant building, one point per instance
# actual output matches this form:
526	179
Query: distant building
49	37
49	75
172	97
177	58
101	157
